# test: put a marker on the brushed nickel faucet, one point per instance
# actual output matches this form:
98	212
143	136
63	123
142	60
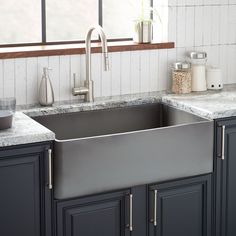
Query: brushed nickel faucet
88	89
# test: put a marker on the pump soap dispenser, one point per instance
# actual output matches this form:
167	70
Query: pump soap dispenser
46	95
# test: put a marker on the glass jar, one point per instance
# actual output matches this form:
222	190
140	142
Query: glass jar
8	104
198	63
181	78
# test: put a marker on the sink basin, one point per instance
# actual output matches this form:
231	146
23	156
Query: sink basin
102	150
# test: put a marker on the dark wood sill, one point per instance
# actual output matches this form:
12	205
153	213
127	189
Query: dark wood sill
70	49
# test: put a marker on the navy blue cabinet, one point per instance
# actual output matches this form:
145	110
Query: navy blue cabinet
181	207
103	214
25	199
225	177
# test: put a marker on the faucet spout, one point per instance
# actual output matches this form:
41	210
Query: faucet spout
88	89
103	37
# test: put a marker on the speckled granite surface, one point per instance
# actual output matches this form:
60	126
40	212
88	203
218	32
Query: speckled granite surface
101	103
24	130
210	104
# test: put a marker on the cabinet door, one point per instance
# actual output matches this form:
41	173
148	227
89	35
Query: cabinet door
106	215
225	178
21	198
181	208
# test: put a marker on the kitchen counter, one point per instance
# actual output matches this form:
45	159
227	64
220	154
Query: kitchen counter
99	103
209	104
24	130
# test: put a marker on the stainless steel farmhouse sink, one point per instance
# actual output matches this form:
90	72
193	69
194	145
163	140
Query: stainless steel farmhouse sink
108	149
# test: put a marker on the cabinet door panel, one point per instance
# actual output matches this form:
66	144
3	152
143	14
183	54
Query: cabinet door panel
98	219
230	197
225	176
98	215
20	196
182	209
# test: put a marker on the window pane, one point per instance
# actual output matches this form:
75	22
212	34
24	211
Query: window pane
20	21
119	16
69	20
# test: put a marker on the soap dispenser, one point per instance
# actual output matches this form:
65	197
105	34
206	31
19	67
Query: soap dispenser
46	95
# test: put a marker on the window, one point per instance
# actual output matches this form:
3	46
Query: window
53	21
20	21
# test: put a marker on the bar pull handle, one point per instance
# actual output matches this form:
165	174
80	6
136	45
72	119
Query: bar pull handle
155	209
223	143
50	168
130	225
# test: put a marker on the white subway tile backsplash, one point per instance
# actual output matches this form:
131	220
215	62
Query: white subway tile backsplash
181	27
153	70
135	72
231	63
207	24
190	21
115	66
215	22
223	24
125	72
21	81
192	24
232	24
172	24
199	22
32	80
65	83
144	74
224	61
162	70
9	77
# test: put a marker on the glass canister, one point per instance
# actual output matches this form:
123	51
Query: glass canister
181	78
198	63
8	104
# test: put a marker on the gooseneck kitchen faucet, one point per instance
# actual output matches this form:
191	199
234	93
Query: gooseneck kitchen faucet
88	89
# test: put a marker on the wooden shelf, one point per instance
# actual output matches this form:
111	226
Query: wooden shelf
70	49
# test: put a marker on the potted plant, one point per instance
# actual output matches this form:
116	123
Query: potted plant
143	26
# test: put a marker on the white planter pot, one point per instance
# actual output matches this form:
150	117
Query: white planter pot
143	32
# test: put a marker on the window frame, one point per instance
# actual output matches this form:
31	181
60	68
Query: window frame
44	34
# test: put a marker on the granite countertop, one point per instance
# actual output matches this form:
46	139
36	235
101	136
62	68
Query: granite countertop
24	130
99	103
209	104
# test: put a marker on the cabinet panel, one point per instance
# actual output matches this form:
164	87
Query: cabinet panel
25	200
181	208
20	197
104	215
225	176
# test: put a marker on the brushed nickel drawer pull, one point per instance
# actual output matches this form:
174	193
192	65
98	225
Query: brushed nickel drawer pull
50	168
223	143
131	212
155	209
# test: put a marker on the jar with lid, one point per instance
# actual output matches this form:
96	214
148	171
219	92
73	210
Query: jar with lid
181	78
198	63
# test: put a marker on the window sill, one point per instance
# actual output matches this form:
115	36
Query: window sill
70	49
